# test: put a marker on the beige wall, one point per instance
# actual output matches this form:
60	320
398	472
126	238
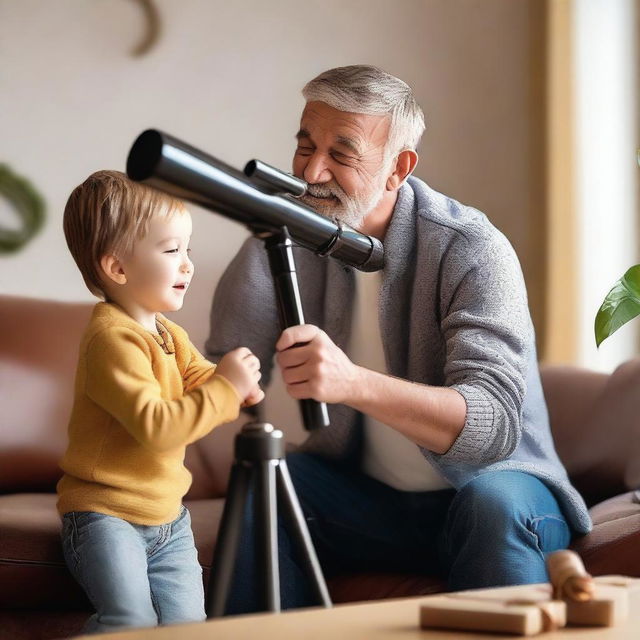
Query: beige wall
226	77
483	90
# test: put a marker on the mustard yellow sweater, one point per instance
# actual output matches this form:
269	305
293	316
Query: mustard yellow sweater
140	398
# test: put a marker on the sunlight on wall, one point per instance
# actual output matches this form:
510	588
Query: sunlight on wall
606	138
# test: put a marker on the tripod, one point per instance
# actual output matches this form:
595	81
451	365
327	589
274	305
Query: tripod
259	465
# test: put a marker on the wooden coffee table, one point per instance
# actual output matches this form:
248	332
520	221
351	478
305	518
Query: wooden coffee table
380	620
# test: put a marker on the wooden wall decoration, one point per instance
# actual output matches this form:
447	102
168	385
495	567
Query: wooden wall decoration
27	203
152	33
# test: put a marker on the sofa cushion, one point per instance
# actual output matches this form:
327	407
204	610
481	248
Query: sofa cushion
33	574
362	587
32	570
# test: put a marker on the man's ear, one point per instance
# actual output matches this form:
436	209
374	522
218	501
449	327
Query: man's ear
405	164
112	269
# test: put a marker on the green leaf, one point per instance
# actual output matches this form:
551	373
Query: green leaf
620	305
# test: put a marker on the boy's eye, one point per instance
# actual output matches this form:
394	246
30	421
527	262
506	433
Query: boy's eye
171	251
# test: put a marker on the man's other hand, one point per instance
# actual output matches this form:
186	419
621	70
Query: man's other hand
313	366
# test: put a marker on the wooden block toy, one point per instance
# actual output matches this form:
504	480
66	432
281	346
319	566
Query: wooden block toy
471	613
608	607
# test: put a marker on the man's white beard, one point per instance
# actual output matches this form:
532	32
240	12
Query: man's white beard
351	210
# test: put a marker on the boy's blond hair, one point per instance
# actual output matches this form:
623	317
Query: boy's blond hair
105	215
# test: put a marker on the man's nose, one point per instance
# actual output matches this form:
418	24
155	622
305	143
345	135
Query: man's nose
316	170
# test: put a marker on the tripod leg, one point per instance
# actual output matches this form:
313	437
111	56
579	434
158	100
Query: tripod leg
267	519
227	543
300	535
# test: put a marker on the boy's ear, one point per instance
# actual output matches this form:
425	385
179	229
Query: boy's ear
405	164
112	269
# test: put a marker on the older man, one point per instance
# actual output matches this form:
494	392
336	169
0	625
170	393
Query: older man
439	456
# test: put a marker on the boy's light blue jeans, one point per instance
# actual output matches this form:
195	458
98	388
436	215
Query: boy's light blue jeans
134	575
495	531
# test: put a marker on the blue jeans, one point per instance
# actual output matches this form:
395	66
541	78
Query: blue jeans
495	531
134	575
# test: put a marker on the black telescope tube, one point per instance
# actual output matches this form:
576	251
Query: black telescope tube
171	165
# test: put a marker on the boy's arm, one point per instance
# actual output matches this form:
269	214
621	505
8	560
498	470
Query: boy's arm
198	370
120	379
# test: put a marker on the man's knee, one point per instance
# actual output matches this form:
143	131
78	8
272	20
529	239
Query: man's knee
493	501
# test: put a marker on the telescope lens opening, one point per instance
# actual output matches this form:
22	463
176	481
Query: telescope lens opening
144	155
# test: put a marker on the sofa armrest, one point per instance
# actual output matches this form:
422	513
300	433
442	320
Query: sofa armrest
38	353
595	420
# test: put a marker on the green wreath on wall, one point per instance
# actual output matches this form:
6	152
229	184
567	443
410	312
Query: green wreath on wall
27	203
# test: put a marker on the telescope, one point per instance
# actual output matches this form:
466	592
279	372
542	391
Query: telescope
261	198
264	200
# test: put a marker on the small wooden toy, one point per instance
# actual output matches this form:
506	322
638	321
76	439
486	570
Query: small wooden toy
532	609
568	577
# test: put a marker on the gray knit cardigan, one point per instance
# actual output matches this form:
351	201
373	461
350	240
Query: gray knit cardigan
453	312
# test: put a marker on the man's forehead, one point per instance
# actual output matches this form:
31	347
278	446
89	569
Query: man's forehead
343	126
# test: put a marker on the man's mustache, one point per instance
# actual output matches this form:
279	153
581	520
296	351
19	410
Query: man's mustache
326	190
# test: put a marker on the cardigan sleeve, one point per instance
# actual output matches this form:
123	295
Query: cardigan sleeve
488	332
120	379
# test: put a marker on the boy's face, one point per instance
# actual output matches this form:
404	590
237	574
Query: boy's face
158	270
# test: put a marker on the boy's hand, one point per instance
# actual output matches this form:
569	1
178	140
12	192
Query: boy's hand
242	369
255	396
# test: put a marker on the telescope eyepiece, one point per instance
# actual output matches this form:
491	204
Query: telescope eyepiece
272	180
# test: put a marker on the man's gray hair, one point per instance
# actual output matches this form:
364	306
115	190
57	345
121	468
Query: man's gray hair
372	91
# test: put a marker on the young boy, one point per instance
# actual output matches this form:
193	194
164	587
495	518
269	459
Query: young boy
142	393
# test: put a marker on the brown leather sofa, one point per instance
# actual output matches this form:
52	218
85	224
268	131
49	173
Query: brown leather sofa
595	420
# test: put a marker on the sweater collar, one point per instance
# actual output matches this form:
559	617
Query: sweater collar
163	337
400	239
397	280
